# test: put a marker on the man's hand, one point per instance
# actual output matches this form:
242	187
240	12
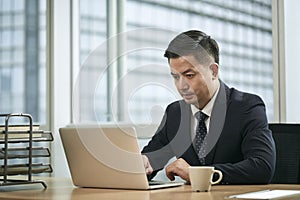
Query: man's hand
178	168
147	165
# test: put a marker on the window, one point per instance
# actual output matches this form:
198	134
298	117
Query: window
22	47
92	34
242	28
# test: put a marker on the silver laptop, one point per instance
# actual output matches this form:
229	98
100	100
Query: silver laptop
106	157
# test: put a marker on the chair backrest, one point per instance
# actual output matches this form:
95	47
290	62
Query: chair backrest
287	140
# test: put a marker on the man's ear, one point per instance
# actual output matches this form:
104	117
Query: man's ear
214	67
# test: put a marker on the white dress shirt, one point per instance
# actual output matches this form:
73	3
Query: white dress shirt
206	110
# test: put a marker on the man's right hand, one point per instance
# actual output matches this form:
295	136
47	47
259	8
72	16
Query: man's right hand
148	168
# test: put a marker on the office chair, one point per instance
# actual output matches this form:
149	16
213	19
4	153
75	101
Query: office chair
287	140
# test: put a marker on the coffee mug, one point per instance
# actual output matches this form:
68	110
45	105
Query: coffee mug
201	178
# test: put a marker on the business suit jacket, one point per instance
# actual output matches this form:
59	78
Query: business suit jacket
239	142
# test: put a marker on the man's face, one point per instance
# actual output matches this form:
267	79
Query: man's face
193	81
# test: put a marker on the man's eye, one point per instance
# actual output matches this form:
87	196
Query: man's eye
175	77
190	75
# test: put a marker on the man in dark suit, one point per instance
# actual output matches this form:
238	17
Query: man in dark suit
234	136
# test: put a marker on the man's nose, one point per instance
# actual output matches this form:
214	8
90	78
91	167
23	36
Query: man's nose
182	84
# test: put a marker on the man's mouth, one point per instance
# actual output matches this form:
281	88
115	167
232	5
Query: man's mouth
187	95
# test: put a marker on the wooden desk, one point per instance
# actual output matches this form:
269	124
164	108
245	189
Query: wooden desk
62	188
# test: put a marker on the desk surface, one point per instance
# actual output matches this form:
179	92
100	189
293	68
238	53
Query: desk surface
62	188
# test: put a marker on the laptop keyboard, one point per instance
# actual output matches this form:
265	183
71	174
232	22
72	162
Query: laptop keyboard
157	183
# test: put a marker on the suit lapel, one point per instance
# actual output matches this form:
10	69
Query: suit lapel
181	141
215	128
182	144
216	124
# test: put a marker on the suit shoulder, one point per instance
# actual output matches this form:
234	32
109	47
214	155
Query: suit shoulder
241	97
177	108
177	104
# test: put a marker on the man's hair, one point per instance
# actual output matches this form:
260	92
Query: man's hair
195	43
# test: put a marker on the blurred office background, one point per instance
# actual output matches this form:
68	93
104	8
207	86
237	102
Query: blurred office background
48	50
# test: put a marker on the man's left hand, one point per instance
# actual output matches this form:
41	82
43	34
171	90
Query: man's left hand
178	168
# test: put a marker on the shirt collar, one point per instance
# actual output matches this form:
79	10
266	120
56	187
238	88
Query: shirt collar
208	107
